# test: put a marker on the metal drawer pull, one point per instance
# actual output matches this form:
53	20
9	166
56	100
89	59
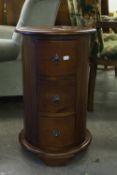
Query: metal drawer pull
56	58
56	99
66	57
56	132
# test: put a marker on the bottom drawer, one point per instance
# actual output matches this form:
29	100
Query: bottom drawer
56	133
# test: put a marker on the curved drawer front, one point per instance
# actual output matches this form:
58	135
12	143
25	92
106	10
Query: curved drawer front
56	58
56	96
56	133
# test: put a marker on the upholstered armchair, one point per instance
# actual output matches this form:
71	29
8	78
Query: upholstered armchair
33	13
103	46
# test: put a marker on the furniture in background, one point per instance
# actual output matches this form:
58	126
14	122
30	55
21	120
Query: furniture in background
55	78
10	11
32	13
107	57
104	7
10	71
104	51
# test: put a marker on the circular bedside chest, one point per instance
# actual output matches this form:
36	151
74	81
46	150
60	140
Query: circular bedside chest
55	74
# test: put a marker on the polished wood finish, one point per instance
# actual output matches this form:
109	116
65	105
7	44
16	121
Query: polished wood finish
54	134
45	66
63	16
1	11
55	73
13	9
52	99
10	11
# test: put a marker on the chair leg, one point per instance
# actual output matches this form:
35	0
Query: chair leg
116	71
105	67
91	86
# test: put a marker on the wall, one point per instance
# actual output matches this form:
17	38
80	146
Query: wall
112	5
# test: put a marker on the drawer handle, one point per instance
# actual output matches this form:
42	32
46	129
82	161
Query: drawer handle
56	58
56	132
56	99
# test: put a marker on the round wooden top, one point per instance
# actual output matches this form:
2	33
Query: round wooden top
54	30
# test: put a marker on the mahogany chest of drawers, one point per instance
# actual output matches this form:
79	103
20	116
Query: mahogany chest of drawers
55	73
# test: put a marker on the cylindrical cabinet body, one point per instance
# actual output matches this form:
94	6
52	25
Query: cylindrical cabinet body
55	74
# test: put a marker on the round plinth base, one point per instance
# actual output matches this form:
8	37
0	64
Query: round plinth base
56	159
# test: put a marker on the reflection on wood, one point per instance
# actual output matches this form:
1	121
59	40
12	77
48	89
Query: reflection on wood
9	11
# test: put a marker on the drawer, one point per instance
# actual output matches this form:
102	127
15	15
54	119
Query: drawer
56	96
56	133
56	58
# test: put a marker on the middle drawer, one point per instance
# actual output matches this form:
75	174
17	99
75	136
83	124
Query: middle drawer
56	96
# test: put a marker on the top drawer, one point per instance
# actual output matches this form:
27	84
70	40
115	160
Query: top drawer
56	58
